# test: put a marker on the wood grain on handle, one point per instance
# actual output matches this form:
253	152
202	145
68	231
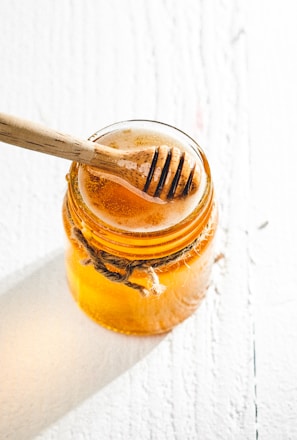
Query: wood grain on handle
124	164
26	134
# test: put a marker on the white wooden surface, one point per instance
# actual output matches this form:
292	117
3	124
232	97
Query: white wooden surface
225	72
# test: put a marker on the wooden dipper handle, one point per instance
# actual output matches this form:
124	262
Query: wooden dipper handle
161	172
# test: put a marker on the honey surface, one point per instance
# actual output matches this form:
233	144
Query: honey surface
116	204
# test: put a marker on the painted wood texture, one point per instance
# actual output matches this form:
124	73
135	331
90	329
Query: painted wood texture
225	73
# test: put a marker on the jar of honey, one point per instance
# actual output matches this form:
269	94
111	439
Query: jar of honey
136	264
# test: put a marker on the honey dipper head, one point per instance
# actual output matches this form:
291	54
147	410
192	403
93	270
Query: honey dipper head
152	159
173	174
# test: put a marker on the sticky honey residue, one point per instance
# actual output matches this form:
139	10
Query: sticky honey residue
116	204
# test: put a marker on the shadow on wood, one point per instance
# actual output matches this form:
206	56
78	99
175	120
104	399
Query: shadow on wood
53	357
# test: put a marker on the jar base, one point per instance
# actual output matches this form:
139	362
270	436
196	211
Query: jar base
122	330
126	332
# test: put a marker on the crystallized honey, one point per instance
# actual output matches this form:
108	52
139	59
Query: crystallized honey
136	264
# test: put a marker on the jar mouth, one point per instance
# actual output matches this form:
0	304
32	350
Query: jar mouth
179	231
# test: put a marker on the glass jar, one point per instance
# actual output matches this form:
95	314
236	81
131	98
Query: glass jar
135	264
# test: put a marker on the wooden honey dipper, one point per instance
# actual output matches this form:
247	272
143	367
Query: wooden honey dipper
163	172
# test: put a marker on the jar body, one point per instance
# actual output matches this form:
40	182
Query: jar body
103	279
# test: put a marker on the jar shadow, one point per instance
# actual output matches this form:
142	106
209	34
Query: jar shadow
53	356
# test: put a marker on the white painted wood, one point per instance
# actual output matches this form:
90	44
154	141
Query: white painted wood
209	68
272	235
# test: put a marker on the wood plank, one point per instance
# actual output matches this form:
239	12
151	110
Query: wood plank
273	241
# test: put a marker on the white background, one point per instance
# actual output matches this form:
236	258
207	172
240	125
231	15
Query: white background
225	72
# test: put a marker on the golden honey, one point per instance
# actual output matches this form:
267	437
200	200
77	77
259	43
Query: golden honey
136	264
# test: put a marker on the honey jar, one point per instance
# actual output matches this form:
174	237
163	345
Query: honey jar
137	264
